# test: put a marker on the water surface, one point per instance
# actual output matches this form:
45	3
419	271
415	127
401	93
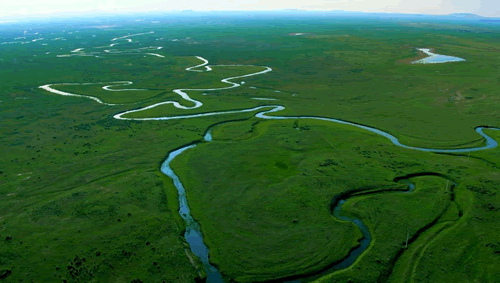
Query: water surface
436	58
193	233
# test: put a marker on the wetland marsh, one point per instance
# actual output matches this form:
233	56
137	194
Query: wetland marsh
155	167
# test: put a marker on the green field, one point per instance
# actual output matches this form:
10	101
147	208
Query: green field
82	197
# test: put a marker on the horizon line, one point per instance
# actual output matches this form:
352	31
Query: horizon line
10	18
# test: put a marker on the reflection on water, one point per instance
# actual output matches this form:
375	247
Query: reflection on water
193	231
436	58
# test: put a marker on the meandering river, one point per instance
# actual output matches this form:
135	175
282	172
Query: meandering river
193	233
195	238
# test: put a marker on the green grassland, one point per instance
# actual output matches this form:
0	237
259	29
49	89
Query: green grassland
82	198
300	171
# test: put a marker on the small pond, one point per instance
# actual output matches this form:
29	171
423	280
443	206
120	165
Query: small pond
436	58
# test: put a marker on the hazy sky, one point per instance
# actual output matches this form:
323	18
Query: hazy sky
38	7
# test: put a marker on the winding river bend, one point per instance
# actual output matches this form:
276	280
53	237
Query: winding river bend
193	233
194	236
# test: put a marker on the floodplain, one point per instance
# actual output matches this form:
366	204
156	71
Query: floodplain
270	180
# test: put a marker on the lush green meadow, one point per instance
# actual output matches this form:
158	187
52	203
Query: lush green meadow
299	173
82	198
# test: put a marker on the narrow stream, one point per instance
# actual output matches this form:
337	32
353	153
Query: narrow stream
490	142
365	241
193	230
336	211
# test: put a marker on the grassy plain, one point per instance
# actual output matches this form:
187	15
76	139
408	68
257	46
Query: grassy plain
300	171
82	197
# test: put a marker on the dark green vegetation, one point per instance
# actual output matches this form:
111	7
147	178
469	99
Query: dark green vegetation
299	173
82	197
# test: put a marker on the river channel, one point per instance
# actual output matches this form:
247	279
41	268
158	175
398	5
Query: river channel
193	234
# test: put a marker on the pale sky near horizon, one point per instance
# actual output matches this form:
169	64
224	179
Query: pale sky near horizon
20	8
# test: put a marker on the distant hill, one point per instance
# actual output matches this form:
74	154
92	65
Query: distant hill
466	15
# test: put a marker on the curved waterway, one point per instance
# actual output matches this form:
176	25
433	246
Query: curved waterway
364	243
195	237
193	233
